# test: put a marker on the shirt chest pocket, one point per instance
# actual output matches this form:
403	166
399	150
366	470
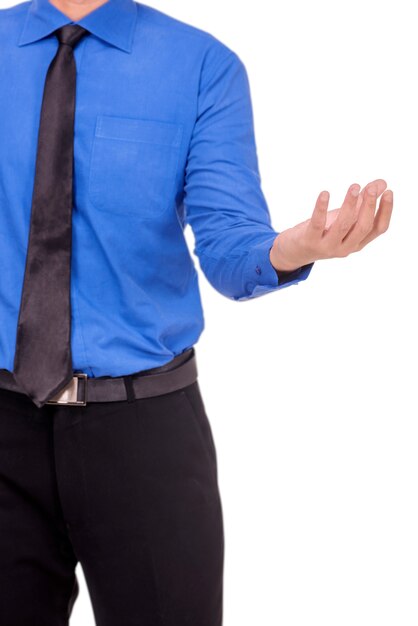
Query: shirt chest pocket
133	165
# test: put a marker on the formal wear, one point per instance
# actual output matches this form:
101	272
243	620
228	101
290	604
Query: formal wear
127	489
43	359
120	474
163	138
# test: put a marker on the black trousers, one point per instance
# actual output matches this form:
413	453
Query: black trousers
127	489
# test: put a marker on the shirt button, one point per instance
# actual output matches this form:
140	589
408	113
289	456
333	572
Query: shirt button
258	269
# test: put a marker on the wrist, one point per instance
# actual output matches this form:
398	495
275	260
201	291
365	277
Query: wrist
280	263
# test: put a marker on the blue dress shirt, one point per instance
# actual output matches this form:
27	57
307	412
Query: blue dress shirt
164	137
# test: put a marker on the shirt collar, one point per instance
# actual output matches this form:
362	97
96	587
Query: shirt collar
113	21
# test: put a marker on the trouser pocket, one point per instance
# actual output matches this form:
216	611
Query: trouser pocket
194	398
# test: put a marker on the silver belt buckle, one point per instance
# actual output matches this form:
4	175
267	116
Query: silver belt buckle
68	395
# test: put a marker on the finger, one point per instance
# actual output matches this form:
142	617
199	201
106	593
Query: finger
381	185
345	218
317	223
381	221
365	220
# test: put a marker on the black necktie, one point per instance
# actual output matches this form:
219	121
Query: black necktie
43	361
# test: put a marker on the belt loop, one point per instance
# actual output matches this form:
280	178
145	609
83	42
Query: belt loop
130	393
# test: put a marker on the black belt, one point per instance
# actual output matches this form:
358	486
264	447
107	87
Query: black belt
177	373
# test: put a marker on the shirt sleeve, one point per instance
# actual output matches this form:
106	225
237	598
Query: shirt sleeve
223	199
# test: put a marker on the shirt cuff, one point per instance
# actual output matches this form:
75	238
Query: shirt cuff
262	277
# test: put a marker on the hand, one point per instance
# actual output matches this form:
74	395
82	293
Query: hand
335	233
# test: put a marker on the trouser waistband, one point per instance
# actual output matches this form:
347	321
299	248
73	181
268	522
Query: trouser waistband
82	389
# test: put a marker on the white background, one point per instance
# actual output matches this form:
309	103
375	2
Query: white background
311	390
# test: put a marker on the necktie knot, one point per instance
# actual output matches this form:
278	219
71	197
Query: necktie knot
70	34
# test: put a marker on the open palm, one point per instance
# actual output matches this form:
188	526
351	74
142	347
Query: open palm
336	232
